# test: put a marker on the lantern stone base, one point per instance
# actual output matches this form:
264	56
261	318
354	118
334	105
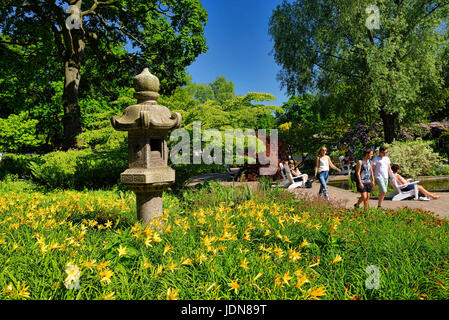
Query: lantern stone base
149	205
148	184
154	175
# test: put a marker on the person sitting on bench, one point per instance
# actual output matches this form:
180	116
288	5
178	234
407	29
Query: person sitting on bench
296	173
401	181
285	163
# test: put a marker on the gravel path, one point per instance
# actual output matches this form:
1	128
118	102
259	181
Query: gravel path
347	198
440	207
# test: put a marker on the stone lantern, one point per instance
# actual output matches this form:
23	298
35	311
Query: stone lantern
148	125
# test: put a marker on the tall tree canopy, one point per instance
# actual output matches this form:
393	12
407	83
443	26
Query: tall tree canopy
166	35
330	46
217	106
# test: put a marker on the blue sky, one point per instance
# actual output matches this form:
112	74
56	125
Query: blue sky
239	47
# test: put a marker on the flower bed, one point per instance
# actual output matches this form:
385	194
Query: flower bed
217	243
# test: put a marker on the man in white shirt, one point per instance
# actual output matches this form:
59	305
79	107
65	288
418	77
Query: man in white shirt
382	172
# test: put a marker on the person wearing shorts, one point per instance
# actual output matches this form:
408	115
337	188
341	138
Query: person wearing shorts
365	178
382	172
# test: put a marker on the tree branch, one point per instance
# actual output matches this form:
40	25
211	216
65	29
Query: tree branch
334	56
121	29
412	27
95	5
164	12
336	71
58	41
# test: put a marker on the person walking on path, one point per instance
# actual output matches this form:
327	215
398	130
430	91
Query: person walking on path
365	178
323	162
382	172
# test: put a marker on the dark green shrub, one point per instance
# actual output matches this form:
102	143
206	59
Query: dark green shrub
17	164
443	144
100	169
80	169
58	169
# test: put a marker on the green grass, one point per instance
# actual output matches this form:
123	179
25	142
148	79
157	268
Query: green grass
218	243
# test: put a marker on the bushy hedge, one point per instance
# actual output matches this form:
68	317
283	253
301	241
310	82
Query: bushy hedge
17	164
103	139
416	158
79	169
18	133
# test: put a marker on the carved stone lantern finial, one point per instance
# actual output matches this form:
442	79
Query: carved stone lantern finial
148	125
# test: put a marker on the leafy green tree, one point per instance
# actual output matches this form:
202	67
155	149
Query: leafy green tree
299	124
199	102
223	90
204	93
440	98
166	35
330	46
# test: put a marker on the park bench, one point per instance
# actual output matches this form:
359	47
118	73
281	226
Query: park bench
291	182
397	194
345	169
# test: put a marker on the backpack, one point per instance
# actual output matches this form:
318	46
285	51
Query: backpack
308	184
354	171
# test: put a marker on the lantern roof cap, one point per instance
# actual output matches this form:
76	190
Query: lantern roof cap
146	114
146	86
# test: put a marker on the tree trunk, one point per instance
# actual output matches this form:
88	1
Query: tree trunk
72	111
73	38
389	122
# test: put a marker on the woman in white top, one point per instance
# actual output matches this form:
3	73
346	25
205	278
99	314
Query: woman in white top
323	162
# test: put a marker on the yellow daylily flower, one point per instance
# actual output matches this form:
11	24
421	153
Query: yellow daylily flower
301	281
286	277
336	260
122	251
258	276
146	265
172	294
234	286
294	255
106	275
23	291
172	266
167	249
316	293
244	264
156	237
109	296
187	262
304	243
